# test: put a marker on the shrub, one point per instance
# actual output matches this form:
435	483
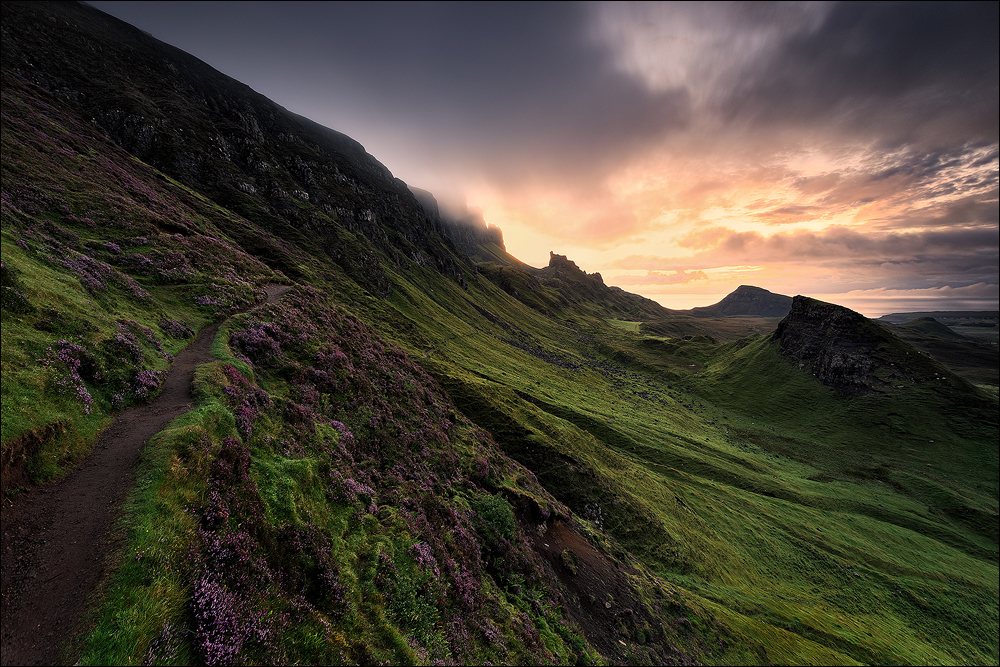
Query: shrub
497	513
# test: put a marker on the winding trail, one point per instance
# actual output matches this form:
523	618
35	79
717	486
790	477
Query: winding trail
56	540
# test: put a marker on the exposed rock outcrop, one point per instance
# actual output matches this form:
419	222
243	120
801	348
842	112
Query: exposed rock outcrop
470	232
854	355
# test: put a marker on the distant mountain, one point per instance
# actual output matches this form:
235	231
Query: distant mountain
747	300
946	317
562	288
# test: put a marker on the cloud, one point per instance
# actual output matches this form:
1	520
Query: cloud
817	184
789	214
898	73
661	278
953	257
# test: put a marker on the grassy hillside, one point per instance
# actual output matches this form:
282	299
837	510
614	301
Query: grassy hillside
412	459
748	482
970	355
99	268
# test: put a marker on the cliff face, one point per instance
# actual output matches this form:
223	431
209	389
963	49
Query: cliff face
469	232
306	183
854	355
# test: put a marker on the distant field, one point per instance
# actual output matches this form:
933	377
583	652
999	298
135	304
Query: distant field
627	326
982	325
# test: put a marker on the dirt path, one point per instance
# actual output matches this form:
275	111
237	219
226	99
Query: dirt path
56	540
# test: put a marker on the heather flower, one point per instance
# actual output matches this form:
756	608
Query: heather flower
423	556
246	400
146	381
67	359
176	329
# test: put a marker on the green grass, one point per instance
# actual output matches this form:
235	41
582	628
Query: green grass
627	326
149	591
866	525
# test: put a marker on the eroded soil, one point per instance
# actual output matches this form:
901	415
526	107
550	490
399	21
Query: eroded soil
602	601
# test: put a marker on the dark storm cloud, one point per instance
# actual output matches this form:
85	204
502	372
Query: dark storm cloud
897	72
525	89
956	257
521	86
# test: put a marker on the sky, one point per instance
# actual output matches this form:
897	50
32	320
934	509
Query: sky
846	151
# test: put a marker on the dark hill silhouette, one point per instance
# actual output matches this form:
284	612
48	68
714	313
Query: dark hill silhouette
926	326
747	300
946	317
562	289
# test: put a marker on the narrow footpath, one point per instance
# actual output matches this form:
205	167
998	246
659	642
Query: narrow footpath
56	540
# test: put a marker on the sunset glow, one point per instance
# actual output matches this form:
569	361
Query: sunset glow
844	151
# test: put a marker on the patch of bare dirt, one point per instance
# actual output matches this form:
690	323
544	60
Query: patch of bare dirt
603	602
56	540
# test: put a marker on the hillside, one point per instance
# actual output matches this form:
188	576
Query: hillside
971	355
426	450
747	300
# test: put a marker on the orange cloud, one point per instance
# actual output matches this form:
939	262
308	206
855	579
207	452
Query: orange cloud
661	278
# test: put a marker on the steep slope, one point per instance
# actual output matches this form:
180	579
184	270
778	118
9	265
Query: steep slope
322	476
104	260
310	185
470	232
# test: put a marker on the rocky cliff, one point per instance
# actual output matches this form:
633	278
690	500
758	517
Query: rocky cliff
469	231
854	355
304	182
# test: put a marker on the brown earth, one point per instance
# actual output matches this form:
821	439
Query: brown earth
602	600
56	541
